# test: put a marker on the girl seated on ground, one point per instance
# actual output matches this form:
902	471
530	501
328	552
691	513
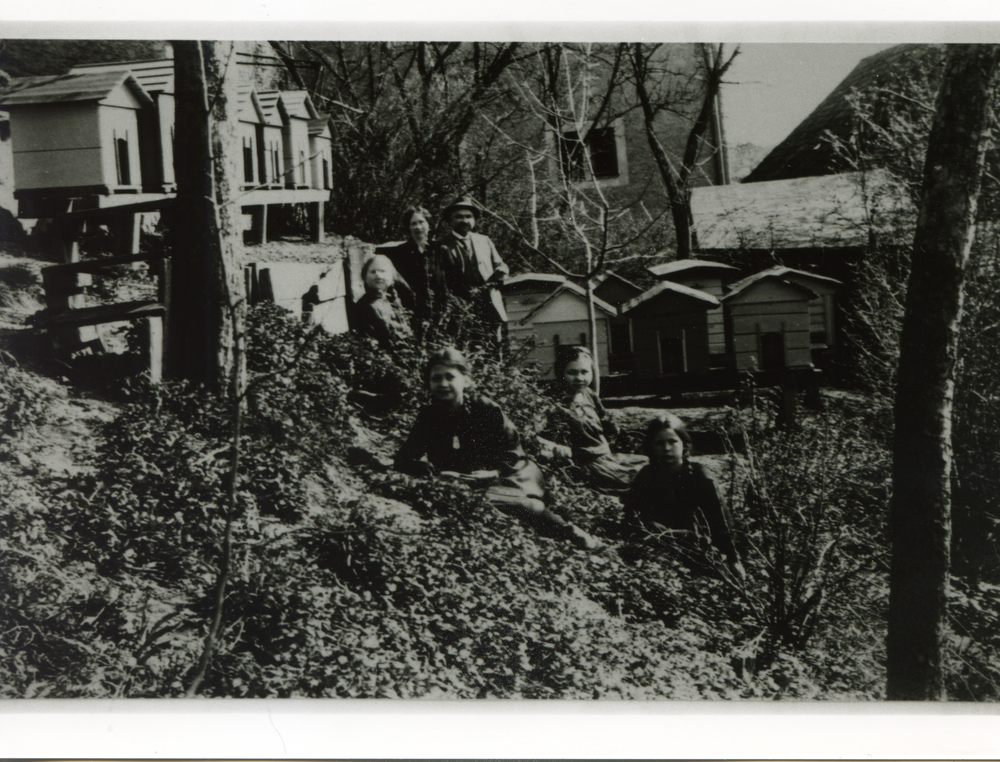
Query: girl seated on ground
673	497
579	427
464	435
378	313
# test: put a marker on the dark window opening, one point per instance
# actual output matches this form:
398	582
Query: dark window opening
247	161
772	351
121	153
602	147
326	175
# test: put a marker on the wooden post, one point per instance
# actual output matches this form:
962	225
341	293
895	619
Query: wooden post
316	222
65	291
126	228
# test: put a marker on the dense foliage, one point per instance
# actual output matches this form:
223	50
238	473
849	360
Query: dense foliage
349	580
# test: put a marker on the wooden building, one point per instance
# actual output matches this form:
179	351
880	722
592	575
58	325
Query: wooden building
548	311
297	111
271	158
670	330
320	153
767	323
157	125
616	290
822	309
76	133
710	277
251	128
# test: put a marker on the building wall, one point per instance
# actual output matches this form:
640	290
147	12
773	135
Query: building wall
57	147
296	148
569	332
117	122
669	317
715	317
768	307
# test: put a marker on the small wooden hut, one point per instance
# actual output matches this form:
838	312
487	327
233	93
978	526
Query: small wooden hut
767	323
670	330
556	318
76	132
270	156
297	111
321	152
616	290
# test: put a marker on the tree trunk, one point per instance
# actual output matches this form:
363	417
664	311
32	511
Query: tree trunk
208	304
592	321
920	518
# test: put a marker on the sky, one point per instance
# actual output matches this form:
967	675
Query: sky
774	86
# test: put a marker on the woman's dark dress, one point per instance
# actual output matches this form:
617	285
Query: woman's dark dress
476	437
582	423
413	266
686	500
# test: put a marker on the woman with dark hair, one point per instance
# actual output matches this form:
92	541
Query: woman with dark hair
674	497
577	430
464	435
412	264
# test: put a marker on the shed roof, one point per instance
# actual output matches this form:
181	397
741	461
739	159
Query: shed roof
782	271
674	288
670	269
247	105
741	286
805	152
268	101
316	126
597	280
545	278
66	88
156	75
573	290
297	104
835	211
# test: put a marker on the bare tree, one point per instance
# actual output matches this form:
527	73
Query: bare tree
921	502
694	95
207	304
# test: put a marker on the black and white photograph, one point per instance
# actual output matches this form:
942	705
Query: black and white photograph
452	369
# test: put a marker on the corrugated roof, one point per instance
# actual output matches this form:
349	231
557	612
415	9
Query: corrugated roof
679	266
674	288
805	152
156	76
93	86
835	211
744	284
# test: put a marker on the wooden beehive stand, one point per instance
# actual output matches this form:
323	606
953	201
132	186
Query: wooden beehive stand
71	324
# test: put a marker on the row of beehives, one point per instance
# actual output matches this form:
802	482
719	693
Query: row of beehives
109	128
700	316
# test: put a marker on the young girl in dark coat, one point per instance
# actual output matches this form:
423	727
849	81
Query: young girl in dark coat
579	428
465	435
378	313
673	495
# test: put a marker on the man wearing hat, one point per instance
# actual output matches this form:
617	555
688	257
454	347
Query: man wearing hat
469	266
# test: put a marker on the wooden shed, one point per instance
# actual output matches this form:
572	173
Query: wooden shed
767	323
822	322
524	292
156	144
559	318
76	132
270	154
297	111
616	290
321	153
251	128
670	330
710	277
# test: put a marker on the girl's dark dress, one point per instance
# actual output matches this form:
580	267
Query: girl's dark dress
687	500
476	437
582	423
380	316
